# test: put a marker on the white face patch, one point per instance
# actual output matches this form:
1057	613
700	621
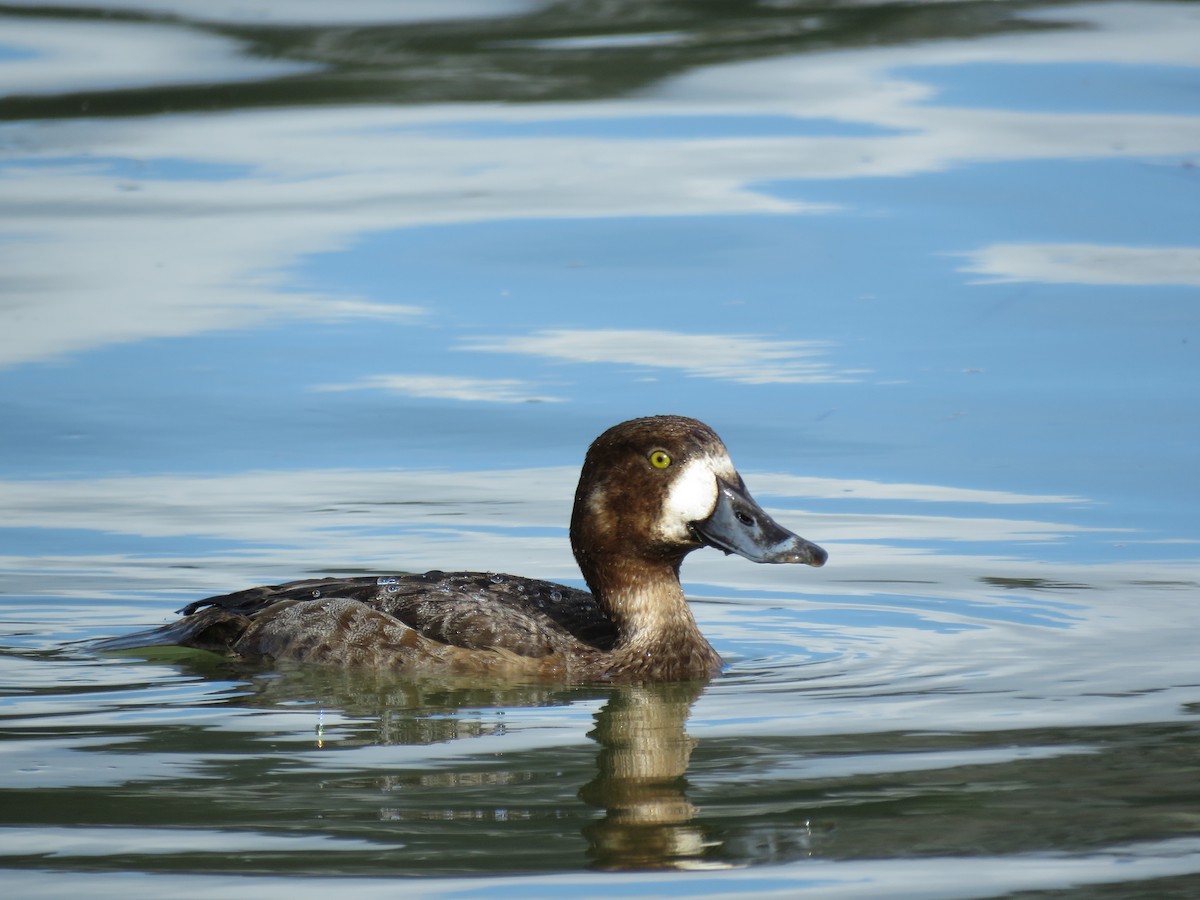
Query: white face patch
693	494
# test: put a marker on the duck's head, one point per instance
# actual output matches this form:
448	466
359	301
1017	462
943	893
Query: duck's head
660	487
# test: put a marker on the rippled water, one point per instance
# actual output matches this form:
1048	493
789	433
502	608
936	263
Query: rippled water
312	288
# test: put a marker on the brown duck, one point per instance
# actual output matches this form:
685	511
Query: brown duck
652	490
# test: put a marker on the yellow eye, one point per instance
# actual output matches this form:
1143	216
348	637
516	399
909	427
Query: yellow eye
660	459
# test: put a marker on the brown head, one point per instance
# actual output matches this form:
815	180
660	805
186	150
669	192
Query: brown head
653	490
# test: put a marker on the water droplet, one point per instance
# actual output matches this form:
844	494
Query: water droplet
496	579
555	596
316	593
520	588
392	588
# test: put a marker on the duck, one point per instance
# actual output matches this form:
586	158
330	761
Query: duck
651	491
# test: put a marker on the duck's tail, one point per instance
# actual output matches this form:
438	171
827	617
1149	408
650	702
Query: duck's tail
213	629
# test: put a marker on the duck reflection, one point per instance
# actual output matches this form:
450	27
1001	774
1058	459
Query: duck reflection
639	772
640	781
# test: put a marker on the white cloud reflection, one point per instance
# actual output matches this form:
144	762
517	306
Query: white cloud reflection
863	489
54	56
745	359
92	256
447	387
309	12
1086	264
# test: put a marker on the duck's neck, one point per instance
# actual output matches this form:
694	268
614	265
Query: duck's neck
657	633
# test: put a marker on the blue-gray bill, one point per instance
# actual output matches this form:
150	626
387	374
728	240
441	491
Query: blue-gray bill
739	525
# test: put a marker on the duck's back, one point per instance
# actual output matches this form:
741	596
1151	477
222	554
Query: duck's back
462	620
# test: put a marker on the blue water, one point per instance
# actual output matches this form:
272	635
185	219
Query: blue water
363	310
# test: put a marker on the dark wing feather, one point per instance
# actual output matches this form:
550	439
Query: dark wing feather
256	599
473	610
481	610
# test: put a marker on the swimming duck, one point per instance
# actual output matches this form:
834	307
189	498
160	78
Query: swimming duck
652	490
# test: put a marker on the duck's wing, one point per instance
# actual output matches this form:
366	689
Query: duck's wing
471	610
256	599
481	611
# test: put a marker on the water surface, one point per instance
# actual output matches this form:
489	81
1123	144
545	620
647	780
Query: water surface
302	290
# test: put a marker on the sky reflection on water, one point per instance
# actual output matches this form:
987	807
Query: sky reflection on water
204	241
